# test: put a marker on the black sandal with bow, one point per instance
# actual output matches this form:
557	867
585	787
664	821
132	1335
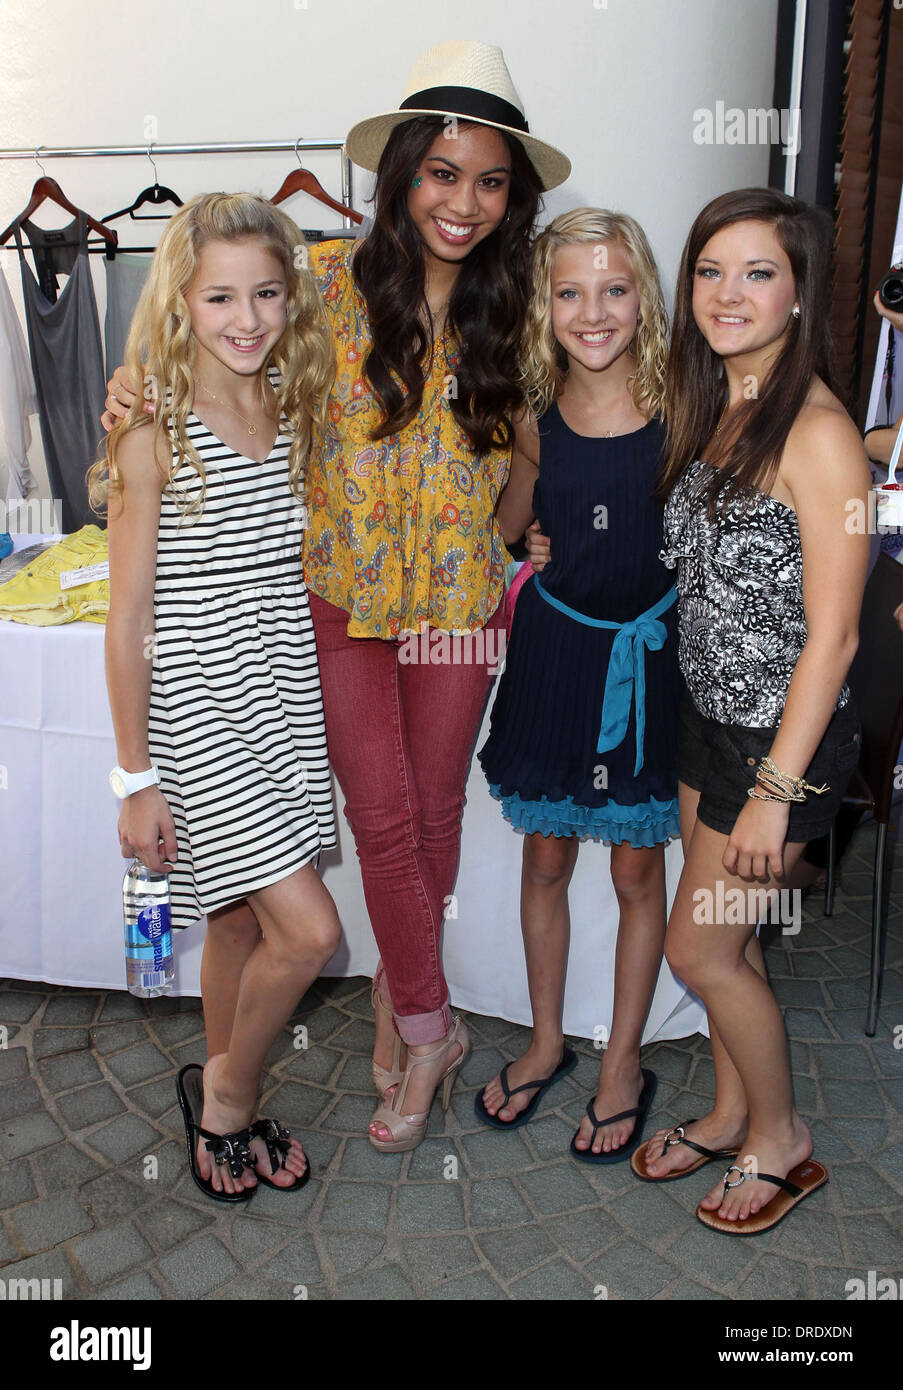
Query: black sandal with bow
232	1149
276	1136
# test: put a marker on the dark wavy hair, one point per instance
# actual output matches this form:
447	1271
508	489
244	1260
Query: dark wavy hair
696	390
488	304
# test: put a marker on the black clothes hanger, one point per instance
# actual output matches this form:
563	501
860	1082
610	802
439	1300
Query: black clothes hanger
157	194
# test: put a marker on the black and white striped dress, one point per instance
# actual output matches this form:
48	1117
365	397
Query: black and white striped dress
236	722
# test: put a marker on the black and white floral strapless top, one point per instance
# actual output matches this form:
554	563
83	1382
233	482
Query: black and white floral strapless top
740	599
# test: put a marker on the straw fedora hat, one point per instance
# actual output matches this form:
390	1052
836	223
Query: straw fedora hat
466	79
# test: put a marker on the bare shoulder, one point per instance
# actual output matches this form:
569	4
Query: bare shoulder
526	435
824	446
138	459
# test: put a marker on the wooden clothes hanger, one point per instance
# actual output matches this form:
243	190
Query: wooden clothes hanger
301	180
48	188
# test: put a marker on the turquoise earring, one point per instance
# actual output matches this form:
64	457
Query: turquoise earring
417	182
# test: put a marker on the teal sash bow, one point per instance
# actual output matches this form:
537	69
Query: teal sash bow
626	668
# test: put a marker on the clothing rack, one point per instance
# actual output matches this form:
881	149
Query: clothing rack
150	151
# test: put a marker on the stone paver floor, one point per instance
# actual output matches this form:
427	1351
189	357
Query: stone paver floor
95	1189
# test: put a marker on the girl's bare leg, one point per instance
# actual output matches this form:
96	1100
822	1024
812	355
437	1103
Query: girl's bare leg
545	921
712	958
232	934
639	880
300	932
725	1124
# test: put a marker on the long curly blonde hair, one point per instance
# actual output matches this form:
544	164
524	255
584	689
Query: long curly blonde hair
160	348
543	360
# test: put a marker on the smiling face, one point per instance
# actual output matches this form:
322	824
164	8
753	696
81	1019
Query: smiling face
463	191
743	289
594	302
237	302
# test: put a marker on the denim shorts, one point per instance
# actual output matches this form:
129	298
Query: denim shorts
719	761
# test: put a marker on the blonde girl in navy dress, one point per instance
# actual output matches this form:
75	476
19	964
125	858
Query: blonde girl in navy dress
584	726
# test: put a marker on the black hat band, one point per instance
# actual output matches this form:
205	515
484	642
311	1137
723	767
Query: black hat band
467	101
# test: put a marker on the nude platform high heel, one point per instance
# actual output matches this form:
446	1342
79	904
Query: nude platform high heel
408	1130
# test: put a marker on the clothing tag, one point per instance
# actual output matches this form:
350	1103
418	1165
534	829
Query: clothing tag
71	579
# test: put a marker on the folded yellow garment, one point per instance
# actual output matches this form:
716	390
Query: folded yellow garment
34	594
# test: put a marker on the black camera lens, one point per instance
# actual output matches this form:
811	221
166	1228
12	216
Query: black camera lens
890	291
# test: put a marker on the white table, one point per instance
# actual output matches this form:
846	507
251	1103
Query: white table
60	904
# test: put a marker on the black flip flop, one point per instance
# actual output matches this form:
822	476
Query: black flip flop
276	1138
567	1064
802	1180
639	1156
226	1148
650	1082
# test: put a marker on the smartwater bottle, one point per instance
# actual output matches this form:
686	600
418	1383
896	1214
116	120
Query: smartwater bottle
149	967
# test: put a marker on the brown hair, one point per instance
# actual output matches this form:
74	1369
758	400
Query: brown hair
696	385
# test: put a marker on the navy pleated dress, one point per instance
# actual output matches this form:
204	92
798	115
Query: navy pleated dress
594	500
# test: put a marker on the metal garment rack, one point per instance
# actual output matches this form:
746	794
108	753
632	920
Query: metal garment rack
150	151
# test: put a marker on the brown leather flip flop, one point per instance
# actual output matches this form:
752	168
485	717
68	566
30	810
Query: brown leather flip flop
638	1157
800	1181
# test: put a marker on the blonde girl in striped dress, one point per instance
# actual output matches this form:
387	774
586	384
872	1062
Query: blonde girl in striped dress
210	655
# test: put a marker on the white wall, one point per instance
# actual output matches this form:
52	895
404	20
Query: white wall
614	83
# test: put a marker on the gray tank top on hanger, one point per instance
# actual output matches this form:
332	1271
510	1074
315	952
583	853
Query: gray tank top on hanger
66	359
125	281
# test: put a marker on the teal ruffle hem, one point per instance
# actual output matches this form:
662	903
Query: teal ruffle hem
650	823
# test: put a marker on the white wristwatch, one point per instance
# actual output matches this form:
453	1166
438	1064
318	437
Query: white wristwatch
124	783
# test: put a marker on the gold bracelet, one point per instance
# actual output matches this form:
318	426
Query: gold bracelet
779	791
767	796
797	785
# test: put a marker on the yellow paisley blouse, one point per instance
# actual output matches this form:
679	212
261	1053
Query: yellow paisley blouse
401	530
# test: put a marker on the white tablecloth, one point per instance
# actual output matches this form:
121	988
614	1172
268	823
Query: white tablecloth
60	904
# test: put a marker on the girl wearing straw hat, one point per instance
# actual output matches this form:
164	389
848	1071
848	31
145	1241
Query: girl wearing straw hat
426	314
